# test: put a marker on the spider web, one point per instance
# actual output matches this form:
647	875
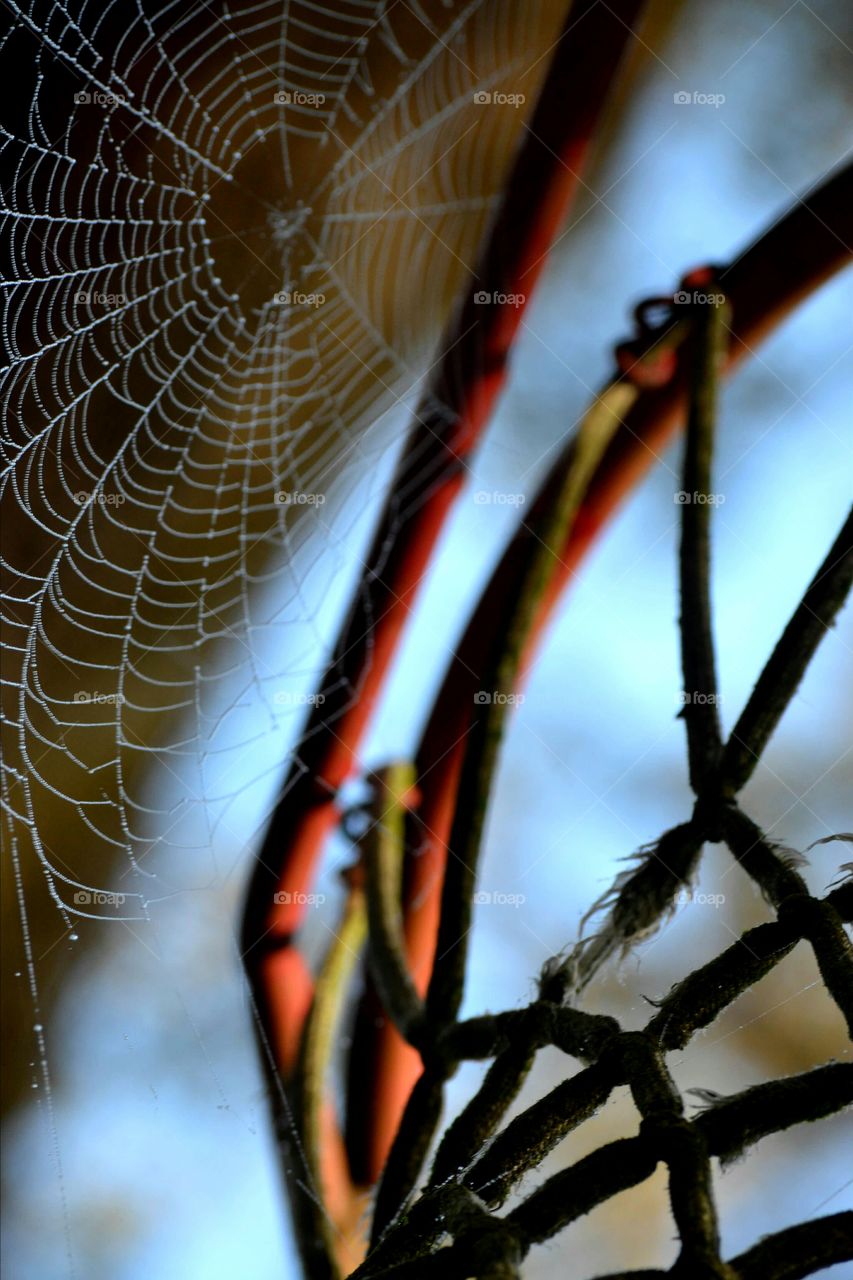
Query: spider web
228	232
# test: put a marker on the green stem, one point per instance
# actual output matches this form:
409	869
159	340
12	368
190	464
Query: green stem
382	850
315	1231
489	712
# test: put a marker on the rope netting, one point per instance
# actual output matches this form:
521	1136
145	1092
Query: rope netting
478	1165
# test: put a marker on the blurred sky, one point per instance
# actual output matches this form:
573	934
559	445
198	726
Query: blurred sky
162	1131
